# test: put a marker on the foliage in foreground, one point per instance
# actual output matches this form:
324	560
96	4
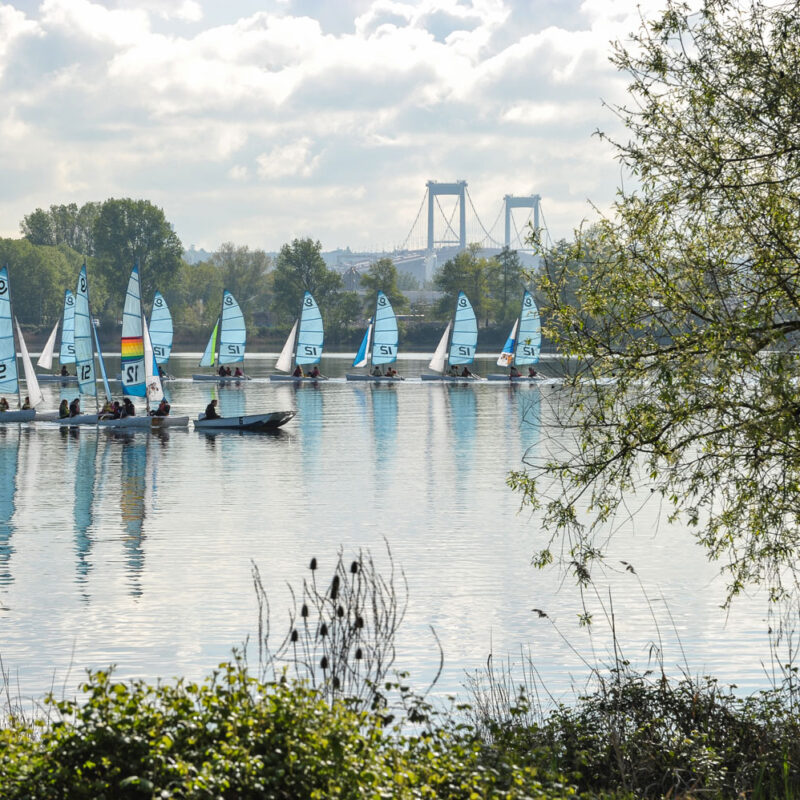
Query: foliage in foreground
236	737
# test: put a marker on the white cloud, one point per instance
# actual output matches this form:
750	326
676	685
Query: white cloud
146	99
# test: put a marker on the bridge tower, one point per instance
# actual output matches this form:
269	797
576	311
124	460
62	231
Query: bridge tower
531	201
459	188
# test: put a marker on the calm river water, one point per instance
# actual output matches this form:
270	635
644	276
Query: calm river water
136	550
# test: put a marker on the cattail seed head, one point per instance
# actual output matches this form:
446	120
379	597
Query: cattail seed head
359	622
323	629
294	637
304	610
340	612
324	662
313	564
336	682
354	567
335	587
359	654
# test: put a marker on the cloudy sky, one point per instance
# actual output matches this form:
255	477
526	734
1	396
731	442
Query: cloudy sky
258	121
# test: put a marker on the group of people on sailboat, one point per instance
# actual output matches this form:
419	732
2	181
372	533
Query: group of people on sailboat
225	372
312	373
513	372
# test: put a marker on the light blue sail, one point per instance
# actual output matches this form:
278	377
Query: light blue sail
67	353
386	339
464	341
9	379
161	329
84	345
529	333
232	334
132	345
310	335
361	356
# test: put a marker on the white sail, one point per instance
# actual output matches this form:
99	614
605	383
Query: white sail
284	362
154	392
439	356
46	358
34	392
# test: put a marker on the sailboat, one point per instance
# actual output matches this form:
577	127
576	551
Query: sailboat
9	374
86	345
139	370
457	346
161	332
304	344
67	350
379	345
523	344
226	345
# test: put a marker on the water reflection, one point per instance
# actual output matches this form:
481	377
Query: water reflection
463	408
310	407
84	466
9	464
133	487
384	426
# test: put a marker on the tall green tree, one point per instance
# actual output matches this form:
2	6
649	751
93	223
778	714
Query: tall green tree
300	267
382	276
63	224
135	231
472	274
692	302
244	273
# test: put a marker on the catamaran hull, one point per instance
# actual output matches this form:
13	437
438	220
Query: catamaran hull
292	379
450	378
249	422
56	378
145	423
220	379
375	378
521	379
7	417
81	419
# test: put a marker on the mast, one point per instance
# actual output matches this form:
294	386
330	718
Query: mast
96	340
13	337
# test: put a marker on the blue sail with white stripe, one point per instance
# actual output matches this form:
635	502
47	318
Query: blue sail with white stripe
385	335
161	329
67	353
310	334
84	345
9	379
232	333
464	341
529	333
361	356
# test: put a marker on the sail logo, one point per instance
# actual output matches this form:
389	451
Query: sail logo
3	286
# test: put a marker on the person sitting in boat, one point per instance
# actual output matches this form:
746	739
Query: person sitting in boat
163	408
514	372
228	372
453	371
116	410
238	373
63	409
391	372
26	406
465	373
3	404
211	411
298	372
75	407
106	410
532	373
64	371
376	371
315	373
128	409
161	373
221	371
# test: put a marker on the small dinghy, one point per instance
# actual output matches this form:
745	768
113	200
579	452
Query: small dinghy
247	422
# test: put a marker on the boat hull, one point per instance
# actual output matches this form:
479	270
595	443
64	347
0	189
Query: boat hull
8	417
220	379
247	422
56	378
450	378
521	379
292	379
81	419
375	378
145	423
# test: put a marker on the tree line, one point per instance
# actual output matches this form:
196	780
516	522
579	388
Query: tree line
111	236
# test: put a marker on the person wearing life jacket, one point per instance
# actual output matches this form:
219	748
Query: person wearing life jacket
298	372
63	409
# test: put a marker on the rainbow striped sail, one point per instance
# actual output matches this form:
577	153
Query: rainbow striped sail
132	345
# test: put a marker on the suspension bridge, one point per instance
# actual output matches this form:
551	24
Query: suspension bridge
452	224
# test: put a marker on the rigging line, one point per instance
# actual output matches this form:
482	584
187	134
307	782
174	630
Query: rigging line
516	230
544	225
499	214
416	220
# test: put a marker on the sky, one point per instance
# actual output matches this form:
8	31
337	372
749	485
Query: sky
258	122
